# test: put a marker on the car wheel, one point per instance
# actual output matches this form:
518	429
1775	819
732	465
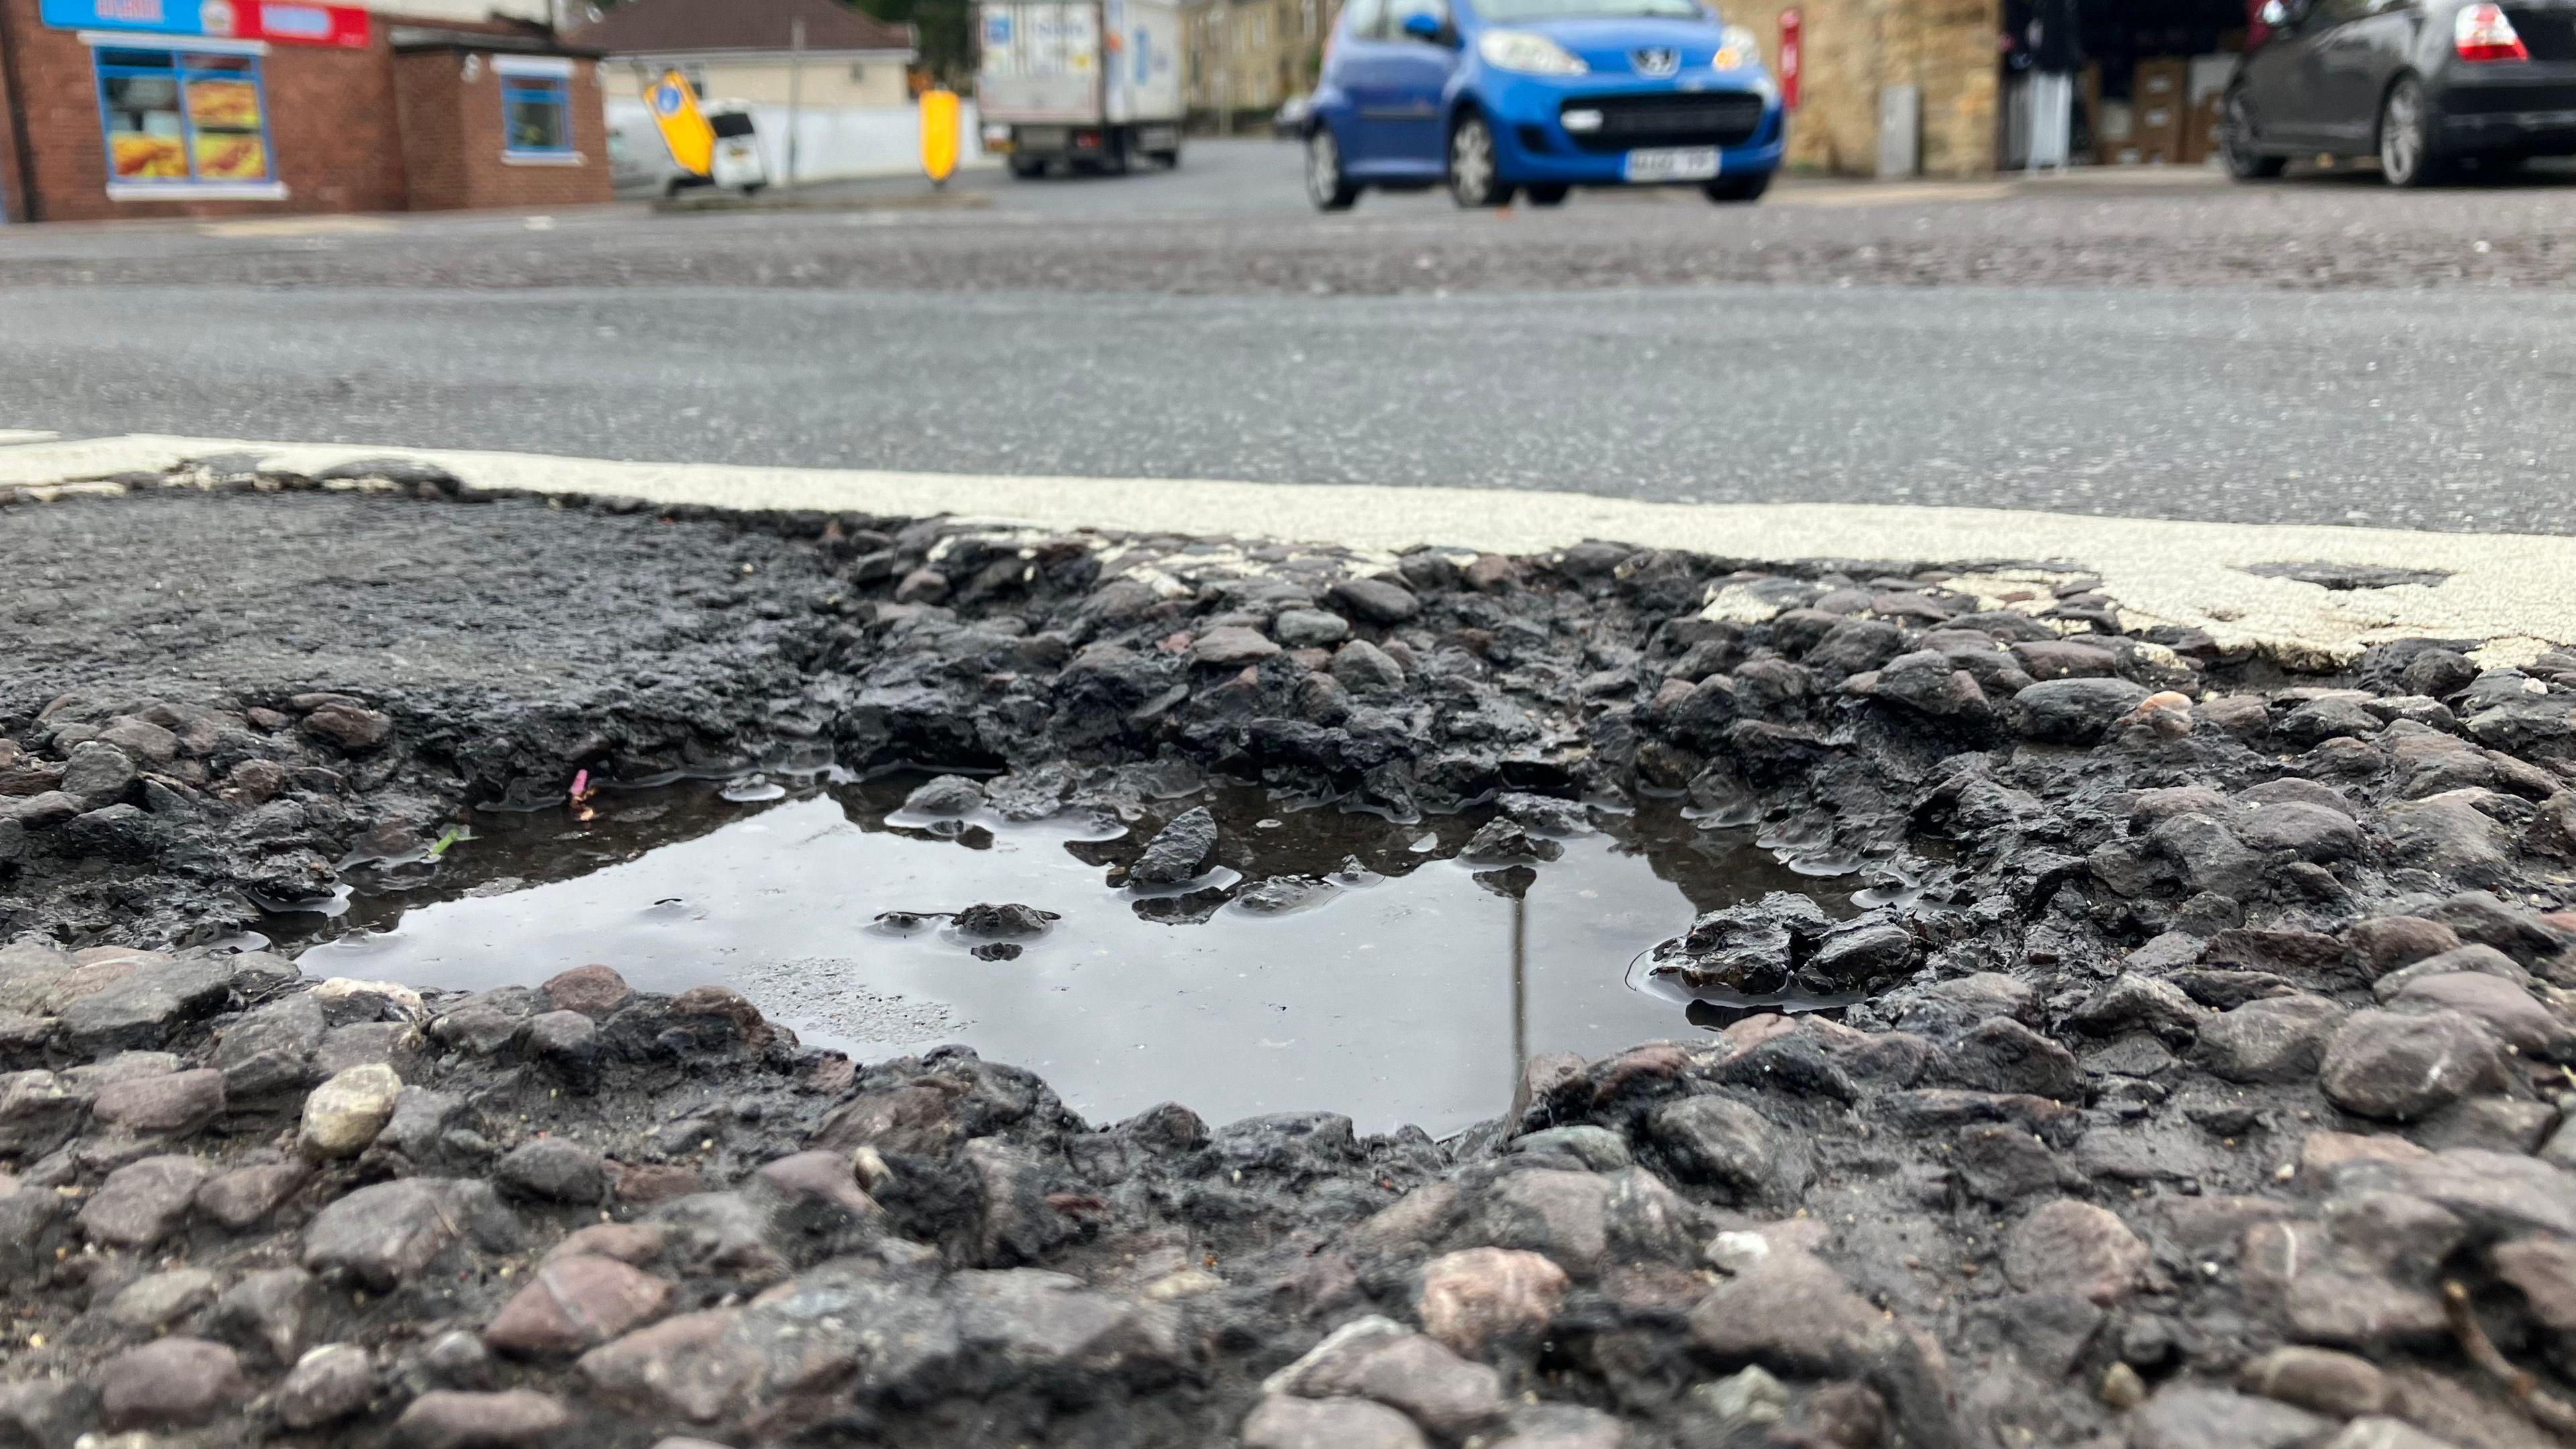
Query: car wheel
1027	170
2236	143
1326	184
1728	189
2406	154
1549	195
1475	179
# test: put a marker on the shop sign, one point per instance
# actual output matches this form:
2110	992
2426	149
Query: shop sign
285	22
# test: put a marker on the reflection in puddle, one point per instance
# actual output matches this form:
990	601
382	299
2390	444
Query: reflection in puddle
1356	971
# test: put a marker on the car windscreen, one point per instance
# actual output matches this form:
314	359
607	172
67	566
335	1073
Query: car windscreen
729	123
1512	12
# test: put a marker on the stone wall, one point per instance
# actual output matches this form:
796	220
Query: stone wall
1856	48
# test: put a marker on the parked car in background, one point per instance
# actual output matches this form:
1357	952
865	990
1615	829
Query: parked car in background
2427	86
1498	98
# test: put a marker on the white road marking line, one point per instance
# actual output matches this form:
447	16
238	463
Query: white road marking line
2507	589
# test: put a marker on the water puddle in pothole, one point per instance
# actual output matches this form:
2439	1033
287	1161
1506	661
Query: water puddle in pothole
1408	988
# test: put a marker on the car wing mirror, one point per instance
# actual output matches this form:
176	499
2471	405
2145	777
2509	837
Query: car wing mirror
1424	26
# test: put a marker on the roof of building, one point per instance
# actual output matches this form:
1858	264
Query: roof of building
499	34
676	27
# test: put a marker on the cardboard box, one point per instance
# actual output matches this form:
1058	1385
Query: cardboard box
2165	80
2210	75
2157	131
2200	130
2110	132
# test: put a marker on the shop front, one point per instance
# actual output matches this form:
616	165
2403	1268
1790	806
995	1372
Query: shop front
126	108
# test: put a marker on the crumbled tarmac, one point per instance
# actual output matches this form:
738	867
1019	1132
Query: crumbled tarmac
2209	1095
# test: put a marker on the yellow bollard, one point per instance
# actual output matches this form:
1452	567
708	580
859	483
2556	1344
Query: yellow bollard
939	134
684	128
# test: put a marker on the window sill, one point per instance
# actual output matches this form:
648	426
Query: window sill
543	158
196	191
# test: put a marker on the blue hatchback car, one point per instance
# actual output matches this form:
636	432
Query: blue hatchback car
1504	97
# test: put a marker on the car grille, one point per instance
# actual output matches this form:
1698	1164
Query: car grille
2547	34
1676	118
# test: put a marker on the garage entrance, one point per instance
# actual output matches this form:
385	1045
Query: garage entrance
2153	76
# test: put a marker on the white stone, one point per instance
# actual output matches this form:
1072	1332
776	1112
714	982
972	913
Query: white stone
345	1113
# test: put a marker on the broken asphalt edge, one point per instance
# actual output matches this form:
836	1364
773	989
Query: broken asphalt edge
2504	592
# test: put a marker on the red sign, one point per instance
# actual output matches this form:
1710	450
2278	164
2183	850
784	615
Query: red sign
1791	26
287	22
292	22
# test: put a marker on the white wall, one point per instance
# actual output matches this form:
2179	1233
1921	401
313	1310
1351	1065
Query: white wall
823	81
833	144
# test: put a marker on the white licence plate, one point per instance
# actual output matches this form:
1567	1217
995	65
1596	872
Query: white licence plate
1672	163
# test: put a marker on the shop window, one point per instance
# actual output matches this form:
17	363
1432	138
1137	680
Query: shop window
178	118
536	115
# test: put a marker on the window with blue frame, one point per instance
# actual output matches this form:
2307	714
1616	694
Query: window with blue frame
176	117
536	115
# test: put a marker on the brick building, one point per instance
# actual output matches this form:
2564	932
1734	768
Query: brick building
204	108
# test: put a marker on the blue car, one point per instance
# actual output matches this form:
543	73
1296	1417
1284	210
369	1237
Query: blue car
1499	98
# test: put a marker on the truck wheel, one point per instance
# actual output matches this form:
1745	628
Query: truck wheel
1475	177
1326	184
1027	170
1171	160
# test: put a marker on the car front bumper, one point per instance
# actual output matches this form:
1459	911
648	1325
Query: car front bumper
1533	147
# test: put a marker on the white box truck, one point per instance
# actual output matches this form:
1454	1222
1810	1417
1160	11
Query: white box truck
1087	84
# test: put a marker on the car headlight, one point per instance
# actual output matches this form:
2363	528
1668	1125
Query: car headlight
1737	49
1523	51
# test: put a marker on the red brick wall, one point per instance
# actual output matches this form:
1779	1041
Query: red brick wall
330	125
425	86
453	139
13	194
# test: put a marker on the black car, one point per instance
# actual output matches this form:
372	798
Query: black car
2425	85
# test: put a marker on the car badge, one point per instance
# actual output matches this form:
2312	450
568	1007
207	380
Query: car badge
1660	60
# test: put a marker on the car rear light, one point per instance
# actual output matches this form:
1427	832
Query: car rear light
2484	32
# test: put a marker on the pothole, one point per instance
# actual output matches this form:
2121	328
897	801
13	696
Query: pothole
1399	972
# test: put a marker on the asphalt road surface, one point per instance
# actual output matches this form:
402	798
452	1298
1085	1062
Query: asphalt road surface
2320	351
